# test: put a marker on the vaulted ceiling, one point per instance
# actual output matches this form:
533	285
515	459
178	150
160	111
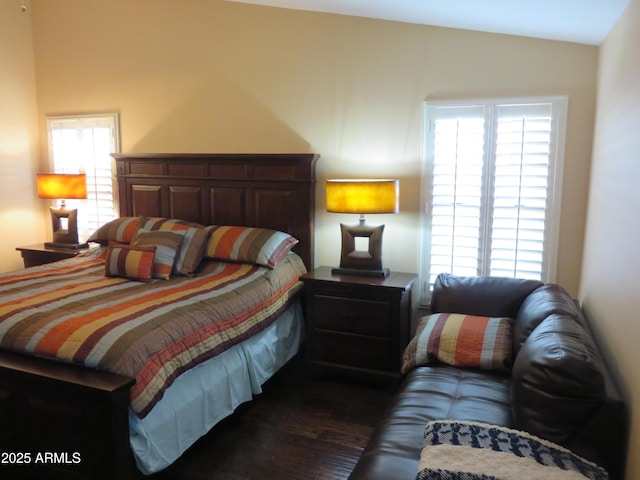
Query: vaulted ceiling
580	21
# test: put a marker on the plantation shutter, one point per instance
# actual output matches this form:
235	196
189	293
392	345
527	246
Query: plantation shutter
490	179
521	183
83	144
456	201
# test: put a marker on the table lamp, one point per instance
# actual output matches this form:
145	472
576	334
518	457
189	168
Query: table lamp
64	221
362	197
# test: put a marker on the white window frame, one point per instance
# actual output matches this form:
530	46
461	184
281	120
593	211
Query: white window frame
559	105
77	158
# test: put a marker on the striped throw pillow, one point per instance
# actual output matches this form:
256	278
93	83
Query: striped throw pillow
119	230
167	248
193	245
261	246
461	340
134	263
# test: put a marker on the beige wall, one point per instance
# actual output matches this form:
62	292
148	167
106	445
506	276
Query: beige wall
21	212
610	286
215	76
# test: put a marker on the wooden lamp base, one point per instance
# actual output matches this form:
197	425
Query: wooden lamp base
361	262
65	228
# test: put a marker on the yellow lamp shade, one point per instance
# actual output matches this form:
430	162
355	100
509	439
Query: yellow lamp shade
62	186
362	196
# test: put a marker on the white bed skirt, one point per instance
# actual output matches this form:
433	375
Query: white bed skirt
203	396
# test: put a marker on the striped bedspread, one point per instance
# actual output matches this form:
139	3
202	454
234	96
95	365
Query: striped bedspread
70	311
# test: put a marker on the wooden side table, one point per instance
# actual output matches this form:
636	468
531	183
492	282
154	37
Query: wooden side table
358	326
39	254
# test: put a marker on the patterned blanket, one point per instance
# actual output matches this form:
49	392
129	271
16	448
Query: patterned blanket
475	451
71	312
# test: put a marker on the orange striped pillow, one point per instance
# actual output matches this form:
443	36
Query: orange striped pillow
192	249
167	245
119	230
461	340
164	223
134	263
261	246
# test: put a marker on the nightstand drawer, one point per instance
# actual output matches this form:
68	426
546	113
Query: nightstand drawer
368	317
353	350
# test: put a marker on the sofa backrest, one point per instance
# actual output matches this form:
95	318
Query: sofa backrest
484	296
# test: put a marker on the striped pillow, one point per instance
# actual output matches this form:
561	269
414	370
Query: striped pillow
119	230
164	223
461	340
261	246
193	245
167	247
134	263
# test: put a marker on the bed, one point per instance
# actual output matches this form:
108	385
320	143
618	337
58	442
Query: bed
94	412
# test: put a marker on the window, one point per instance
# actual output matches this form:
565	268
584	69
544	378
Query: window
83	144
492	188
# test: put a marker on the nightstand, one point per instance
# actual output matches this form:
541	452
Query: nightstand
357	326
39	254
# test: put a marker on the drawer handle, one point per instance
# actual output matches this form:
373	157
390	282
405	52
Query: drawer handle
350	315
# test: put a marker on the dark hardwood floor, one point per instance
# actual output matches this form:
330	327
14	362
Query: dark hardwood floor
298	428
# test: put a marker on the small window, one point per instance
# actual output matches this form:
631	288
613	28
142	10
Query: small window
83	144
492	188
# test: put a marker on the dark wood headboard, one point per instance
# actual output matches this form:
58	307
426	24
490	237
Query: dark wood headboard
260	190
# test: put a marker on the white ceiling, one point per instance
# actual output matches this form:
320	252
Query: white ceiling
581	21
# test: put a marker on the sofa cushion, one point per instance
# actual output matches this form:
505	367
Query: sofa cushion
545	301
431	393
557	379
460	340
484	296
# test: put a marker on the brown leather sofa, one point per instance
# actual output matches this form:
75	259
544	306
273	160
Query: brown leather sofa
559	387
